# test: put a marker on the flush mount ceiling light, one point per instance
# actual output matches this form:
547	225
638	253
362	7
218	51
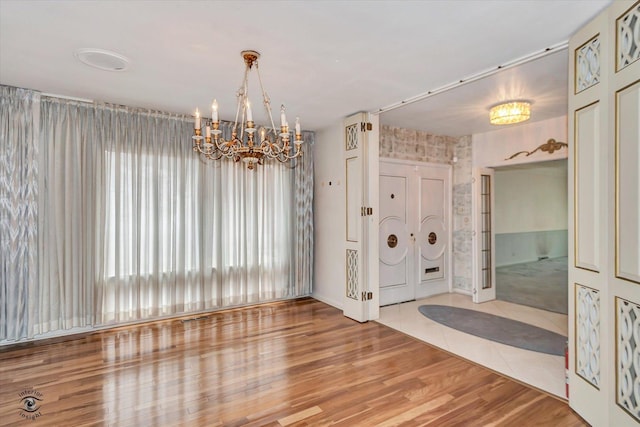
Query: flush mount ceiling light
102	59
510	112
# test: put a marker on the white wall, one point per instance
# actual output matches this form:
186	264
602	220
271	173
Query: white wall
531	212
532	199
494	148
329	216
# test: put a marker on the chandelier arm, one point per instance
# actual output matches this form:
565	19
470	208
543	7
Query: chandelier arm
200	149
288	150
204	157
237	142
282	159
265	146
297	153
216	157
228	151
209	153
284	150
222	147
219	143
225	151
275	148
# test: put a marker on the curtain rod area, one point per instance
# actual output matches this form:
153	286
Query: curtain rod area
70	98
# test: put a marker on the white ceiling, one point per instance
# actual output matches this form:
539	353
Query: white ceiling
323	59
465	109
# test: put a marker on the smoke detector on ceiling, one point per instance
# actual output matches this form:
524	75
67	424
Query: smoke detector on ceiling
102	59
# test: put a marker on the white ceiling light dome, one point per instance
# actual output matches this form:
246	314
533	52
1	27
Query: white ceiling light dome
102	59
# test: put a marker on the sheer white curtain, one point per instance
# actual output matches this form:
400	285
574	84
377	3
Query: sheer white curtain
133	225
150	242
66	222
252	229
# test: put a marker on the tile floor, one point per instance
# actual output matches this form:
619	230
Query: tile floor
540	370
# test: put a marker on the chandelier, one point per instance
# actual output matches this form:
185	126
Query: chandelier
244	144
510	112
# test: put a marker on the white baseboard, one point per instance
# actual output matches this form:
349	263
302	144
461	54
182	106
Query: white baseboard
325	300
462	291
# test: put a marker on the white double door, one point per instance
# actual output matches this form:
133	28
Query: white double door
414	230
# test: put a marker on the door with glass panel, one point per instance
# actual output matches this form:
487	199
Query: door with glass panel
484	282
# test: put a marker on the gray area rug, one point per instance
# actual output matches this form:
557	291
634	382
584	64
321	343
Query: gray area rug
540	284
497	328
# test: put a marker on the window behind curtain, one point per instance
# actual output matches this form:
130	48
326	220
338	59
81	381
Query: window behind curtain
182	235
142	218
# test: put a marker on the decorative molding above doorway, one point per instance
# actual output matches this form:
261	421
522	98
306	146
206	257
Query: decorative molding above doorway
550	146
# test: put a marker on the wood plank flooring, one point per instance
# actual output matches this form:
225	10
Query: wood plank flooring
283	364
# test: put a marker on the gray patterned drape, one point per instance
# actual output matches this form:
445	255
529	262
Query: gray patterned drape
303	206
19	125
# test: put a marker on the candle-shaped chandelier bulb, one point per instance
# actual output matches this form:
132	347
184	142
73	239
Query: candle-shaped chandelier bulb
243	144
249	114
214	111
283	117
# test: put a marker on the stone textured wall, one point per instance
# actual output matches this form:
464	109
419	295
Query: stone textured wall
408	144
462	224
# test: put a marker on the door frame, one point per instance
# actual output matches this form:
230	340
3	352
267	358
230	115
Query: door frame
475	214
449	213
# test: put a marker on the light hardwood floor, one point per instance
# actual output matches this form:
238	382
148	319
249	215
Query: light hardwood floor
291	363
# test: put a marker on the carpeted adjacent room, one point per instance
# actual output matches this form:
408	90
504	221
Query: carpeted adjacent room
540	284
